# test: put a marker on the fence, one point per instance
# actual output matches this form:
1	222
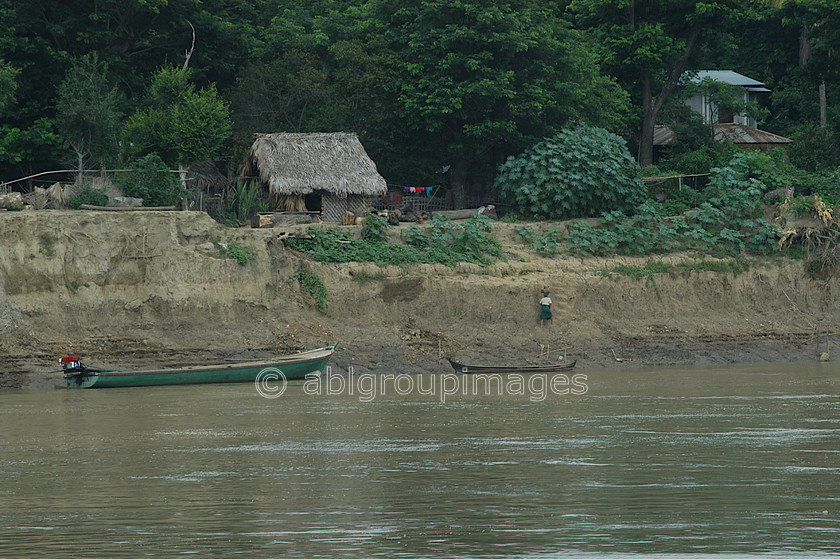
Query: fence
212	203
422	199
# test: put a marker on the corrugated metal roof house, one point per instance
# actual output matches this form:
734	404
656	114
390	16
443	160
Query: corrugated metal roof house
712	114
736	128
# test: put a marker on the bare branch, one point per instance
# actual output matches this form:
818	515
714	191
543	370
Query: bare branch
189	53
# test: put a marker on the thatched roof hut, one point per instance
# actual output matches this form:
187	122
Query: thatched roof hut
332	164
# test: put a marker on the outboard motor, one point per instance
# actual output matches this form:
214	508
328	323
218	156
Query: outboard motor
71	364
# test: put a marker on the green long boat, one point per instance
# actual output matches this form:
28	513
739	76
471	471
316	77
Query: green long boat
297	366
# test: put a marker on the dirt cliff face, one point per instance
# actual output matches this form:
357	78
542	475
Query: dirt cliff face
147	288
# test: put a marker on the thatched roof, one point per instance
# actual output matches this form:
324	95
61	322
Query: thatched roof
206	177
300	163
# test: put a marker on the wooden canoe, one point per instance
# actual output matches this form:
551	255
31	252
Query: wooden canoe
296	366
461	368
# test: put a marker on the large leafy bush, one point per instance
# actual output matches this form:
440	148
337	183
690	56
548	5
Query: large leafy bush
153	181
580	172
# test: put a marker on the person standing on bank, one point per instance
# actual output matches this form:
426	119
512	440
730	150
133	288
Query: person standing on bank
545	308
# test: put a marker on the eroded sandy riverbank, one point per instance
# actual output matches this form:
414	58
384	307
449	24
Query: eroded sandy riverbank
136	289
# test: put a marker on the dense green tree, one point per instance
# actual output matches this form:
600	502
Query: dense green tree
8	84
183	124
481	80
133	37
86	113
649	45
153	181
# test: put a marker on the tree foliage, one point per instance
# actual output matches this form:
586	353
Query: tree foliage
649	45
182	123
8	84
479	79
87	116
579	172
438	91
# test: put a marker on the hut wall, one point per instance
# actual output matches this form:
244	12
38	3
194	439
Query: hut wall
333	207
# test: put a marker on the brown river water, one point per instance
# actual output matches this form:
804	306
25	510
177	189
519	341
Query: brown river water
736	461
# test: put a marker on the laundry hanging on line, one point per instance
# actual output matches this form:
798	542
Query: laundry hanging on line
419	190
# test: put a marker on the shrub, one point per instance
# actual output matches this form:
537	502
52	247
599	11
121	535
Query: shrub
827	185
373	228
544	244
577	173
241	254
88	195
814	148
151	180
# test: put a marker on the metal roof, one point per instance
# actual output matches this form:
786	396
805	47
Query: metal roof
726	76
741	134
735	133
662	135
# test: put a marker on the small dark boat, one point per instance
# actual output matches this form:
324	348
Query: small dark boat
461	368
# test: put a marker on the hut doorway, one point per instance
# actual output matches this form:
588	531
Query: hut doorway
313	201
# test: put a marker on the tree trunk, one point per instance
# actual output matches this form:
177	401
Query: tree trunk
182	174
80	164
648	122
651	104
823	119
458	182
804	46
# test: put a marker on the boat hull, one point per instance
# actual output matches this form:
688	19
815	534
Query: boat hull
472	369
292	367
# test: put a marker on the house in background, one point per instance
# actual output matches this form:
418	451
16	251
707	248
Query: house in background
327	172
712	114
739	129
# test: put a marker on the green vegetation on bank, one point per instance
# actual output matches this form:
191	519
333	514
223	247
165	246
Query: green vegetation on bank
242	255
88	195
724	218
151	180
444	242
313	287
650	268
580	172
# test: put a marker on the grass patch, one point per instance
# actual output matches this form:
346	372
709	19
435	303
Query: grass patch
364	276
650	268
736	267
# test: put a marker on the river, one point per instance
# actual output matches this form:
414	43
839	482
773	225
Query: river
738	461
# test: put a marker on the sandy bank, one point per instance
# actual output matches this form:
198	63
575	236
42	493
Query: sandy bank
151	288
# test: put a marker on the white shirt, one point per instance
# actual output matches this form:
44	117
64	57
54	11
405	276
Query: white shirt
545	301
